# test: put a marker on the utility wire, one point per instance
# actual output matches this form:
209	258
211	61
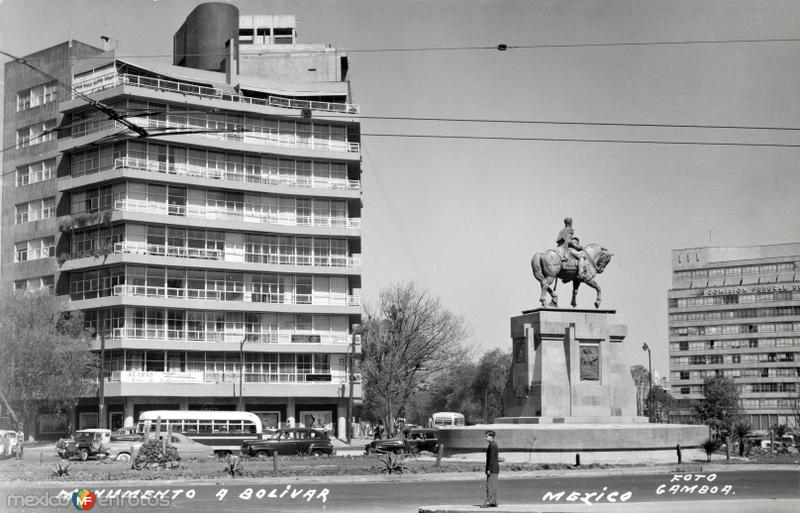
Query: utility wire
497	47
387	198
566	123
583	140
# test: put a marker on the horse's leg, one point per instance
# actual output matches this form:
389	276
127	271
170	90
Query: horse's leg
575	285
543	297
552	290
596	287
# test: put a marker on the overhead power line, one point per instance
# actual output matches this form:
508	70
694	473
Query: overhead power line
502	47
569	123
583	140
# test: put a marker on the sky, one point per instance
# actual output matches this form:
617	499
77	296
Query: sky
462	217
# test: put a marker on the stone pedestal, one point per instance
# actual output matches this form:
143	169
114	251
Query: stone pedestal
570	364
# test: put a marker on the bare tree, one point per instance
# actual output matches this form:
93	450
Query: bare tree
406	341
47	361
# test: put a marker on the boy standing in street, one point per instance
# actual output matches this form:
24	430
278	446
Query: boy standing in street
492	471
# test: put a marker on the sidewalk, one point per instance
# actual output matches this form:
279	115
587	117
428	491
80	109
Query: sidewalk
727	506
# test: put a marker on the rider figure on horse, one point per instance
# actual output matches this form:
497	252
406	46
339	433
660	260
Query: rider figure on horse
569	244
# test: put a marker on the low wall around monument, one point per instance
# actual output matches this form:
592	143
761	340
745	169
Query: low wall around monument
573	437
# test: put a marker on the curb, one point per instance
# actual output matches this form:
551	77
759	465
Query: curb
403	478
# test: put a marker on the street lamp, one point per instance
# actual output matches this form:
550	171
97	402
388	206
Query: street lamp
645	347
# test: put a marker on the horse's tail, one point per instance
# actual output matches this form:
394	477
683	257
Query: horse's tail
536	265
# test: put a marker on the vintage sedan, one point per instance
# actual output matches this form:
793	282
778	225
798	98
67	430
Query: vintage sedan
123	449
289	441
415	440
421	439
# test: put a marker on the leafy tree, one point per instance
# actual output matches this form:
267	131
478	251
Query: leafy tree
46	355
407	340
710	446
641	378
662	403
450	390
489	383
741	430
719	407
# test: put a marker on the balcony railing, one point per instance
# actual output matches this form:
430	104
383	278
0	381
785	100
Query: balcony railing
184	335
228	377
171	86
143	248
230	210
224	170
283	298
161	250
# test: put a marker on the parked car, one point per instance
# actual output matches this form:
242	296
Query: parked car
189	449
84	443
289	441
120	450
395	445
126	433
10	443
422	439
415	440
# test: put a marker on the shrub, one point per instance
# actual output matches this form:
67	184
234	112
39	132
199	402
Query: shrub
710	446
233	465
391	464
151	456
61	469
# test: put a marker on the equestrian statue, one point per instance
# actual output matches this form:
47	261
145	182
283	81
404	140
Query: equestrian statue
570	261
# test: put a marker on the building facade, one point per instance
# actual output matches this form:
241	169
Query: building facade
210	234
735	312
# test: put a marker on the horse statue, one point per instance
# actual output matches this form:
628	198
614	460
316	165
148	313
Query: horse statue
548	267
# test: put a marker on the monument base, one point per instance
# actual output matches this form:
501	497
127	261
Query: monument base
571	420
568	437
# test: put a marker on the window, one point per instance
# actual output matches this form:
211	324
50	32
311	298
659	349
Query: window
35	210
246	35
36	134
34	249
283	36
36	96
36	172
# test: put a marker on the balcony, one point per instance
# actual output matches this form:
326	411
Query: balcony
180	334
228	377
236	211
170	86
225	170
161	250
284	298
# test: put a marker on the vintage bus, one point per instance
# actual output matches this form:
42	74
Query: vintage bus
223	431
447	418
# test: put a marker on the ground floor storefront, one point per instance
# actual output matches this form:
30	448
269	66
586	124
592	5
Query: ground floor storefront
320	413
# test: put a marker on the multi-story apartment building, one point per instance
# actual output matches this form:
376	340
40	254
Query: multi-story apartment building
214	223
735	312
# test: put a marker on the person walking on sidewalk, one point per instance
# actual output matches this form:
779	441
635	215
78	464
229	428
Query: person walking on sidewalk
492	471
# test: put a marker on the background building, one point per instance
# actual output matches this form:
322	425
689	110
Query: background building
216	221
735	312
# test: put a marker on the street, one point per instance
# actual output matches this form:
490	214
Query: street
292	495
